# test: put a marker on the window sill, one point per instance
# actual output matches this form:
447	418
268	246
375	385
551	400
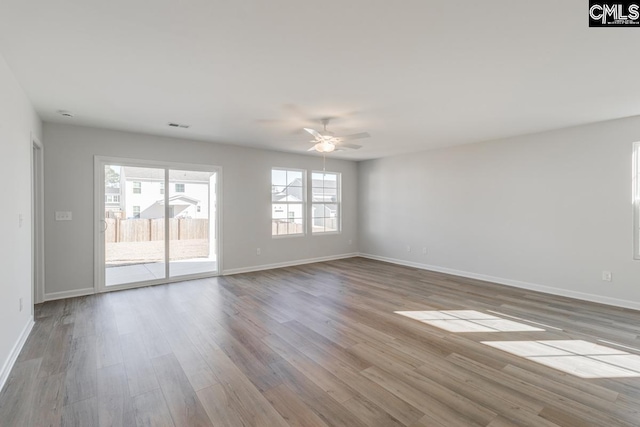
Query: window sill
285	236
326	233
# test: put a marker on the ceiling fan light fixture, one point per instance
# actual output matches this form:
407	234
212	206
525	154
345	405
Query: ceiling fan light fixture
325	147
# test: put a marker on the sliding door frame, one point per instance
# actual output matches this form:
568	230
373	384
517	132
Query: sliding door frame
99	284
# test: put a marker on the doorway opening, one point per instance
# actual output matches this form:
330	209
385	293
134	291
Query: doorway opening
37	222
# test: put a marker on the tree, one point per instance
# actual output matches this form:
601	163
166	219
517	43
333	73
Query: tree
111	177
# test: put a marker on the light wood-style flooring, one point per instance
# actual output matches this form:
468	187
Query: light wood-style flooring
315	345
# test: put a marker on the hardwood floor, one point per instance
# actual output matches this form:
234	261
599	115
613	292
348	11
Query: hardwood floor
321	345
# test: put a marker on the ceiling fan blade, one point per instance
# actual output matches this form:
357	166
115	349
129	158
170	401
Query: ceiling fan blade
313	148
313	132
350	146
354	136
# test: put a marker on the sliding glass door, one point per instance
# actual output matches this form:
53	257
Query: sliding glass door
156	223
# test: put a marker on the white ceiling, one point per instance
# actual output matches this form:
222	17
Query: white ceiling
415	74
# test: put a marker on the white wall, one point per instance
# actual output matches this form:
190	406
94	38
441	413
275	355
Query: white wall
18	121
246	204
547	211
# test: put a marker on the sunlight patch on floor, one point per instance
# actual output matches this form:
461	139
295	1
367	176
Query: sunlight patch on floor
467	321
576	357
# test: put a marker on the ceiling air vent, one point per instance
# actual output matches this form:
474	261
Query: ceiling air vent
65	113
179	125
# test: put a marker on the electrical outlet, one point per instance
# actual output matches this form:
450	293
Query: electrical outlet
408	248
424	250
63	216
258	251
607	276
20	301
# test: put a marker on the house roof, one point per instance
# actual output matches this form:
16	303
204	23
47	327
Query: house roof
286	198
180	197
317	183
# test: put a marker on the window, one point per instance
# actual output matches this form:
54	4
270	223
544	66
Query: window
112	198
179	188
636	200
325	202
162	187
198	208
136	211
287	202
137	188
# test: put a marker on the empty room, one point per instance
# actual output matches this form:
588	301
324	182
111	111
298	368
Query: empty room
320	214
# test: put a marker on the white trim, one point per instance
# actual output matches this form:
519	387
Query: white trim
287	264
515	283
636	200
99	219
15	351
69	294
218	216
167	225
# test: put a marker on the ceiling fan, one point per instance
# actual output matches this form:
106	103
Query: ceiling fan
326	142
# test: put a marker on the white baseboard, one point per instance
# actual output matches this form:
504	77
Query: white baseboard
286	264
515	283
69	294
15	351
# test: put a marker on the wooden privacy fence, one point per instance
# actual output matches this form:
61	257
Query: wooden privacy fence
145	230
285	227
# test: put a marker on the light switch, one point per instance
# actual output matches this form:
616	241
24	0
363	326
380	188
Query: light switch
63	216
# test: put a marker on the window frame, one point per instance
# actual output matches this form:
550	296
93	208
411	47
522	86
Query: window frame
136	187
338	204
175	189
636	200
302	202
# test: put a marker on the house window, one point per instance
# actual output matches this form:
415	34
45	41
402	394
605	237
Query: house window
287	202
198	208
162	187
325	202
137	188
179	188
636	200
136	211
112	198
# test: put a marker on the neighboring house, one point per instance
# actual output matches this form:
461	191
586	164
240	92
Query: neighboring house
112	202
294	193
286	211
143	195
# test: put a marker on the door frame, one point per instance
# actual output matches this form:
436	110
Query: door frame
99	209
37	220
